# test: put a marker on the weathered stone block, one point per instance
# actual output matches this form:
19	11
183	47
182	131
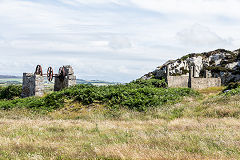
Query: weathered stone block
68	70
178	81
33	85
201	83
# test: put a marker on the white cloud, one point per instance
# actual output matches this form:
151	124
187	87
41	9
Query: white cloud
77	2
198	36
116	40
120	42
203	7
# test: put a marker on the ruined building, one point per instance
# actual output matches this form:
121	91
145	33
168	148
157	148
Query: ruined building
219	63
33	83
192	80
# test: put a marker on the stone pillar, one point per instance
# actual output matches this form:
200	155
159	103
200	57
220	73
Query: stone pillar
206	74
194	71
167	71
39	85
190	76
190	72
33	85
68	81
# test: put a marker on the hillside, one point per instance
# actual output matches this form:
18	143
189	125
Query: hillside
221	63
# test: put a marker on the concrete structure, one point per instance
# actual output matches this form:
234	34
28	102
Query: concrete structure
33	85
192	81
67	81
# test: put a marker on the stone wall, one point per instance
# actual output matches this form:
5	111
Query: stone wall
68	81
59	84
192	81
201	83
178	81
33	85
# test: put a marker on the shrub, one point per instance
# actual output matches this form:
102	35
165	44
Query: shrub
150	83
10	92
232	85
139	95
218	69
232	92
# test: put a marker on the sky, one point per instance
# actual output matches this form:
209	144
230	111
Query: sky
112	40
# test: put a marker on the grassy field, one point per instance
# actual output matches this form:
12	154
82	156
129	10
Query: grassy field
206	127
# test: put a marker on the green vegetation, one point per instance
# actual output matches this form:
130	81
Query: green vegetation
10	92
138	95
218	69
232	92
232	89
205	127
153	83
207	54
184	71
190	56
104	122
232	85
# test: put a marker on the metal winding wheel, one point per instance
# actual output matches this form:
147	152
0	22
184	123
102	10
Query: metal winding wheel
39	70
62	73
50	74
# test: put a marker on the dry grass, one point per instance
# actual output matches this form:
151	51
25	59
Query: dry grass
155	139
212	90
206	128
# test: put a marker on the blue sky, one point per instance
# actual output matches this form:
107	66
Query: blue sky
113	40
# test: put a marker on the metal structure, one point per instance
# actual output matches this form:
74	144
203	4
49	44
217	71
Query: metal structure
39	70
61	73
50	74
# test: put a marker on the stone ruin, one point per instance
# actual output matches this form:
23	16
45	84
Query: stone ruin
68	81
33	83
192	80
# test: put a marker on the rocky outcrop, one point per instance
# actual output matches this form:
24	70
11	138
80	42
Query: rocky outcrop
220	63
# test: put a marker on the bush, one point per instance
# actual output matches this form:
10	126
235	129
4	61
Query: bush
232	92
133	96
232	85
218	69
10	92
150	83
139	95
